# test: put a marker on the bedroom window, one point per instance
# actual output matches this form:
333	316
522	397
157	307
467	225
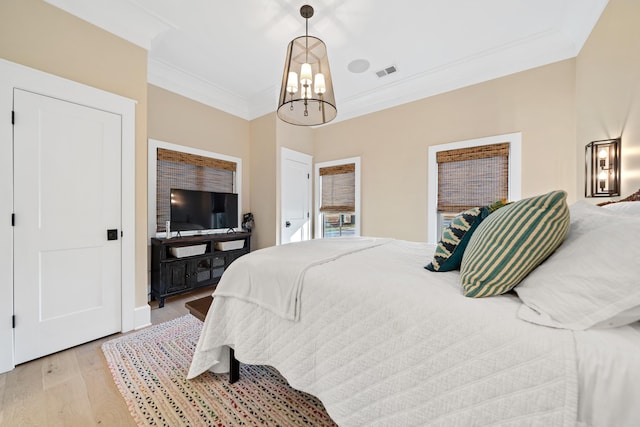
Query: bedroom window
338	198
178	166
471	173
176	169
474	176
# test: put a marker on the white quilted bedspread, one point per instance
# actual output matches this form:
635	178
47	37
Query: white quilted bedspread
384	342
261	278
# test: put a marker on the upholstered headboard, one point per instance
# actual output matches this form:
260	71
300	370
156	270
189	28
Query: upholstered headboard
635	197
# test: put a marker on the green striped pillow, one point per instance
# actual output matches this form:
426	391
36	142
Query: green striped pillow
513	241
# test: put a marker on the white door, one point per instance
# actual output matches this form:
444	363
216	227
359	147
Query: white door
67	194
295	197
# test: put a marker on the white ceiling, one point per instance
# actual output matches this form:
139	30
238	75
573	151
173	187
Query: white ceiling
230	54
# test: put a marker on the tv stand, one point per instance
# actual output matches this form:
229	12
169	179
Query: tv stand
172	275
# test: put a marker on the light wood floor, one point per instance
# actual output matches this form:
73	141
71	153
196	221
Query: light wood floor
73	387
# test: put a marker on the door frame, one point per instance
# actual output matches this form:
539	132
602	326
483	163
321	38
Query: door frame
287	153
12	76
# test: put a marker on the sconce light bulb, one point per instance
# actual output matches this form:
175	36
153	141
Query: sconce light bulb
602	153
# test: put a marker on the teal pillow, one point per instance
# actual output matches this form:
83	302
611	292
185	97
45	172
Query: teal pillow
455	237
510	243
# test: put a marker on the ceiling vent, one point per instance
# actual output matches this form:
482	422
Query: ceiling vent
386	71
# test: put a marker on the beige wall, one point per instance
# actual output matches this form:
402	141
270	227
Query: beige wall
393	143
297	138
179	120
558	108
268	135
608	90
263	180
40	36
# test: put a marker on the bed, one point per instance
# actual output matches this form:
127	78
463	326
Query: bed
381	341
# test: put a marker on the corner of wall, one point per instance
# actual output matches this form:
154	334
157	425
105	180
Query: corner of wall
262	173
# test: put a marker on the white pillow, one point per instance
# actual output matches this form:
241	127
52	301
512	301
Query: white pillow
626	208
593	278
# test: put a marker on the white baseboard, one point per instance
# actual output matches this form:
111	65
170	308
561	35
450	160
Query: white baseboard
142	317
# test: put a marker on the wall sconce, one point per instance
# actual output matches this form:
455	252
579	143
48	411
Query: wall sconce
602	168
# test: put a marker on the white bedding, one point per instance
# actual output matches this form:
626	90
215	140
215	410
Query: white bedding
261	278
382	341
609	376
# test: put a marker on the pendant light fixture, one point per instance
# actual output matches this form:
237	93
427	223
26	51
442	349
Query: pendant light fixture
306	94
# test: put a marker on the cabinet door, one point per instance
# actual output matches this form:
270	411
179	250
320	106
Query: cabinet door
176	277
206	270
201	271
218	262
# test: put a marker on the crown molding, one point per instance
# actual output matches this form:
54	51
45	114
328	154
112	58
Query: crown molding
264	102
127	20
580	18
510	58
139	25
184	83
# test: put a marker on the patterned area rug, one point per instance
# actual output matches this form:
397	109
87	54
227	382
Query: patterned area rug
150	367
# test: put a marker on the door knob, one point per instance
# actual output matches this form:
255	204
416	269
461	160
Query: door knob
112	234
287	224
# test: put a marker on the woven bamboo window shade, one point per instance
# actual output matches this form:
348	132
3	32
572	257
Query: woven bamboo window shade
188	172
338	188
474	176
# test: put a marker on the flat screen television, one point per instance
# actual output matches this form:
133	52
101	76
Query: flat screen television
203	210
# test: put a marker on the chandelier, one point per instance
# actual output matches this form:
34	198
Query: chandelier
306	94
